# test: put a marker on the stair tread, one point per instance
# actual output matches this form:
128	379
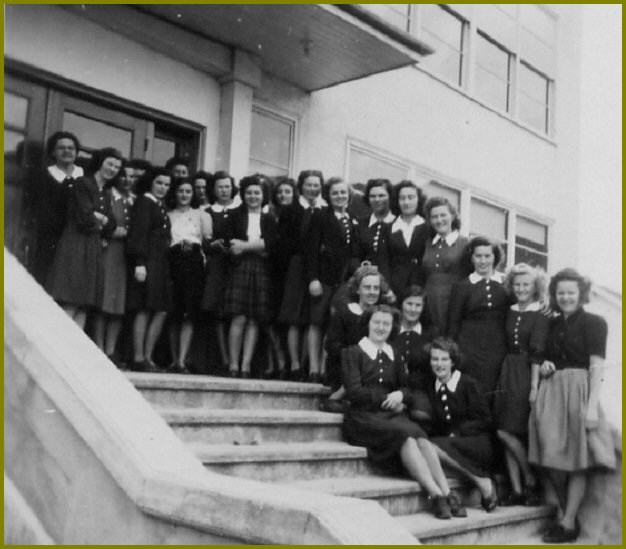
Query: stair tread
143	380
364	486
425	525
248	416
292	451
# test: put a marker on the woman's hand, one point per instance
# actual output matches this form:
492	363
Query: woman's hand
101	218
237	247
392	401
591	418
119	232
219	244
547	368
140	273
315	288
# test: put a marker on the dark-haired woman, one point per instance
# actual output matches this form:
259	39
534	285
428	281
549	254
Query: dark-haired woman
150	285
443	262
407	238
191	228
50	198
568	435
76	279
376	385
461	426
294	305
251	234
108	322
201	184
477	313
224	200
333	253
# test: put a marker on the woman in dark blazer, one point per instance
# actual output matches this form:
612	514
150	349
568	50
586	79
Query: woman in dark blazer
334	252
250	234
407	237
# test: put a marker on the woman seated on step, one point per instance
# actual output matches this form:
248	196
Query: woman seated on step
461	421
376	384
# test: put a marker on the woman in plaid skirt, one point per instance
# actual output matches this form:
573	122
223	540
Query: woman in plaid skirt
251	234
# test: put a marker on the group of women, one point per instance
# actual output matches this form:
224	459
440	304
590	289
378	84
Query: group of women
434	357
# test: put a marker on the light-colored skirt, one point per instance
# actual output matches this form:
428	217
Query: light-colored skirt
557	437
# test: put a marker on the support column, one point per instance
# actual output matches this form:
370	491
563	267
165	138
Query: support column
236	114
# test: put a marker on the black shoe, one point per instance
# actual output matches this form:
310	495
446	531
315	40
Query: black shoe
314	378
136	366
532	496
490	502
559	534
512	498
245	375
441	509
151	367
456	507
233	373
295	375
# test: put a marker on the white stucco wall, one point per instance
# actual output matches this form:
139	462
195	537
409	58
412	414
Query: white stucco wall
55	40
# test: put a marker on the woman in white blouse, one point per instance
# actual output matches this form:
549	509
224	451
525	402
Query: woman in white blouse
190	227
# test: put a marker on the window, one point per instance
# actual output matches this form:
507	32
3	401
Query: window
434	188
531	243
94	134
490	221
445	31
537	38
271	143
533	99
397	15
492	73
365	164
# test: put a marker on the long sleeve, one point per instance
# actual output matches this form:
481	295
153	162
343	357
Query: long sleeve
111	224
206	225
336	333
313	247
538	336
478	418
139	232
455	311
84	206
359	395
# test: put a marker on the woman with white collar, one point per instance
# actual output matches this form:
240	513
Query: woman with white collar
526	332
108	322
407	239
150	285
376	384
478	307
50	199
442	263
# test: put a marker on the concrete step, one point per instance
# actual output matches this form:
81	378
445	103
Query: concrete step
193	391
398	496
285	462
479	527
252	426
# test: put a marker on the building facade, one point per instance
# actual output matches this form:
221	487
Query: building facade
475	102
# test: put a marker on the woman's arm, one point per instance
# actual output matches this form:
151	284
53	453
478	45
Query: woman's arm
360	396
455	310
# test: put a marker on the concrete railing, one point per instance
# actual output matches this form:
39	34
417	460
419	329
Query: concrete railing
92	462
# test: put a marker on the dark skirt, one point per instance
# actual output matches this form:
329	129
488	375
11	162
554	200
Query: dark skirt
511	406
187	272
77	276
215	285
294	305
382	432
248	290
475	452
155	294
114	261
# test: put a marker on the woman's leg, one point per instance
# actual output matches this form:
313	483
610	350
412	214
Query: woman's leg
278	350
434	465
483	484
314	346
99	327
173	331
235	339
186	335
154	331
113	329
249	343
576	485
515	449
293	347
140	327
220	329
418	468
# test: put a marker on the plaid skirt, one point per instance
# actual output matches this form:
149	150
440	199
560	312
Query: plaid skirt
248	290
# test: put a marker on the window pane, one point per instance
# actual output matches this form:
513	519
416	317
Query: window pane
497	23
524	255
532	231
536	52
15	111
394	14
256	166
488	220
538	38
162	151
492	74
271	141
94	134
364	166
12	141
432	188
444	32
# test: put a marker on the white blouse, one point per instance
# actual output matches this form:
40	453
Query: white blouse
192	225
254	226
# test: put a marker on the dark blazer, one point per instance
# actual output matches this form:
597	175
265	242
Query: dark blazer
376	255
329	259
405	262
237	227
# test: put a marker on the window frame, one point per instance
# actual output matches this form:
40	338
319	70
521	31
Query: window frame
282	116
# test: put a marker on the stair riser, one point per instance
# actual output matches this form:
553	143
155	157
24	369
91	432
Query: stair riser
285	471
246	434
490	535
230	400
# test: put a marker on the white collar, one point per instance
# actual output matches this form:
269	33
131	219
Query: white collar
451	385
355	308
59	175
341	215
475	277
218	208
533	307
319	202
389	218
417	329
371	350
450	239
152	197
399	224
117	195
